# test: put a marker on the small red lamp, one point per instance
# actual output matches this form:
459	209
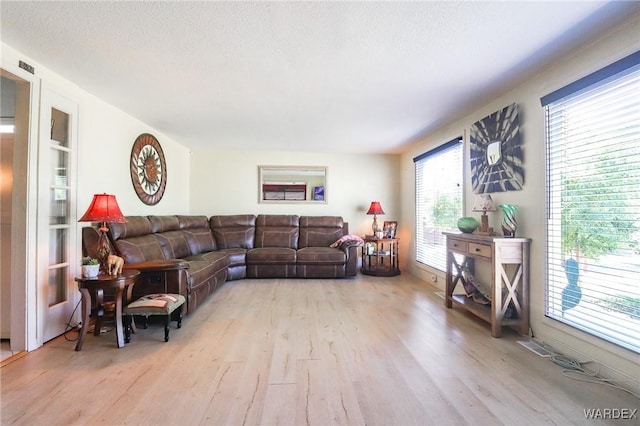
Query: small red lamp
375	209
103	208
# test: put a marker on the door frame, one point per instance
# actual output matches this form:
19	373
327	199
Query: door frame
24	301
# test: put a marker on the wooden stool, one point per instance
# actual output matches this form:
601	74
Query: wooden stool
154	304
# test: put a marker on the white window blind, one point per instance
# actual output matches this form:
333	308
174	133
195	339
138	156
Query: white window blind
593	204
438	200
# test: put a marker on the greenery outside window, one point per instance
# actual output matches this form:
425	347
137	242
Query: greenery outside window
439	175
593	204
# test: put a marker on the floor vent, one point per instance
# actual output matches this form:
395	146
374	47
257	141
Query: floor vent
536	348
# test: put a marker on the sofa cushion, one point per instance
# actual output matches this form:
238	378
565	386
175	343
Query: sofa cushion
320	231
271	255
277	231
219	259
164	223
200	271
233	231
321	255
139	249
200	240
135	226
173	244
190	222
237	256
197	233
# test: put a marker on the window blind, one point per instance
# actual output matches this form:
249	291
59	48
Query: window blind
593	204
438	176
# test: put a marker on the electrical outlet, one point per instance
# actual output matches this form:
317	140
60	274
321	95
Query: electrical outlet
434	278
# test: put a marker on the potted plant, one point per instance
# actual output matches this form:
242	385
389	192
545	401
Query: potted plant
90	267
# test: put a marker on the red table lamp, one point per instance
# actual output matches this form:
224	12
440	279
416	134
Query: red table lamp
375	209
103	208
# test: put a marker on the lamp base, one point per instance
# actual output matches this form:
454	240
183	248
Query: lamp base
484	225
103	249
374	225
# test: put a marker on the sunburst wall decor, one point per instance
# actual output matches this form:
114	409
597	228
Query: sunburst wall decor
148	169
497	157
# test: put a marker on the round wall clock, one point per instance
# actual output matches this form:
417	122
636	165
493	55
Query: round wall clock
148	169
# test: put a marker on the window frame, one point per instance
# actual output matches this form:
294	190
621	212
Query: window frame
560	109
433	255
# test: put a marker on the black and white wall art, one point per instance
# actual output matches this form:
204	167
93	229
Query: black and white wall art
496	152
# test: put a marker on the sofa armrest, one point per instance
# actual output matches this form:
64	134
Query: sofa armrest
351	250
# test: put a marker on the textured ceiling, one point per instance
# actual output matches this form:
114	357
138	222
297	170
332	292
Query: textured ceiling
300	76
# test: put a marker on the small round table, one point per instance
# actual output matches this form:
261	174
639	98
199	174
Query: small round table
87	286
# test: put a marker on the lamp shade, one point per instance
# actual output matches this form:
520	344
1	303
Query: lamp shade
484	203
375	208
103	208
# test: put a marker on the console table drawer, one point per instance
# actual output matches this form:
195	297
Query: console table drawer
480	250
457	245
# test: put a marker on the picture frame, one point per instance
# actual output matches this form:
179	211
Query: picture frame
390	228
292	184
318	193
496	150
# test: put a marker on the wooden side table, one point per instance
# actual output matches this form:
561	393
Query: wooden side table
380	256
96	286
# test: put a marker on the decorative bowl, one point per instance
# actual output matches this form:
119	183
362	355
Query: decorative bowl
467	224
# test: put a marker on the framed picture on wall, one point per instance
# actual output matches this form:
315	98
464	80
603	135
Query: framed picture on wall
318	193
497	152
389	228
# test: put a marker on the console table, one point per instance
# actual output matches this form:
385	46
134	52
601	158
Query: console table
509	259
381	259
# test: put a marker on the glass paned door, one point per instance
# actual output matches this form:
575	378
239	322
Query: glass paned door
58	141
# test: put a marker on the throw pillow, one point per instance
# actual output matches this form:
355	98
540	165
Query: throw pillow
351	239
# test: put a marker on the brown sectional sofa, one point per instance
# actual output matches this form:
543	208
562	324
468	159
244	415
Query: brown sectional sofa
194	255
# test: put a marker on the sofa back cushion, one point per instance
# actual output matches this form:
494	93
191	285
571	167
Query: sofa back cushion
277	231
173	244
139	249
134	227
233	231
197	233
320	231
163	223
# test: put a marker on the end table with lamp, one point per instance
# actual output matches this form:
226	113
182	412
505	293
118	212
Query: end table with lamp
103	209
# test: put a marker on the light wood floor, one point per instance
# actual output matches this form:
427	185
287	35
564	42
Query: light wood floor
374	351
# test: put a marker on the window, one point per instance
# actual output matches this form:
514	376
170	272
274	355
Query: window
438	201
593	203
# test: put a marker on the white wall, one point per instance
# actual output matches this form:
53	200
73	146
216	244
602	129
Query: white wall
226	182
618	43
105	138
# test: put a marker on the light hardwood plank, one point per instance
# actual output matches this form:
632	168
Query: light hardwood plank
362	351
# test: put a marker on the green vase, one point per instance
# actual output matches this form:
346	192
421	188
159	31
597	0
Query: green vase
509	223
467	224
